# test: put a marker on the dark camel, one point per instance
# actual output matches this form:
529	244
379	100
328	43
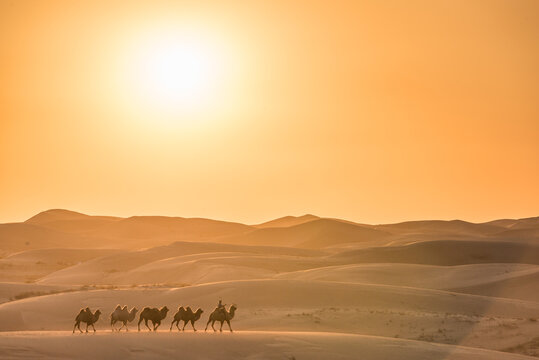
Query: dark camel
186	315
221	315
153	314
86	316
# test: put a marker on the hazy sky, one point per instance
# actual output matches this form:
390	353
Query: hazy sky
373	111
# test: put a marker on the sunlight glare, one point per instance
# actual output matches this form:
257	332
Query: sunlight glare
175	73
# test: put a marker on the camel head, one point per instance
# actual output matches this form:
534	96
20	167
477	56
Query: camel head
97	312
233	307
164	310
131	314
197	314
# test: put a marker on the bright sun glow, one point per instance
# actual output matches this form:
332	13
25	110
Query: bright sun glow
181	73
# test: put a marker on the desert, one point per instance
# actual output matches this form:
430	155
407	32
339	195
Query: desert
326	288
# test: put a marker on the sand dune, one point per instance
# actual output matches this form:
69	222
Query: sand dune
524	287
54	255
213	269
240	345
529	235
34	264
13	291
254	294
63	228
317	233
55	215
306	287
440	227
70	221
475	277
292	305
155	227
525	223
20	237
287	221
114	268
447	252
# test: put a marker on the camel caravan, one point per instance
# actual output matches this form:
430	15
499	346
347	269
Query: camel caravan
186	314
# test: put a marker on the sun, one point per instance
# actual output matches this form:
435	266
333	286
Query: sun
177	73
174	73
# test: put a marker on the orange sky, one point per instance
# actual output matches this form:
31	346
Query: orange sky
373	111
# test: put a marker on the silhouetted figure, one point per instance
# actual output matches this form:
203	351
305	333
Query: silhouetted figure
122	315
221	315
220	306
186	315
86	316
153	314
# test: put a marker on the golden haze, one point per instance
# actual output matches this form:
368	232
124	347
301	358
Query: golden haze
370	111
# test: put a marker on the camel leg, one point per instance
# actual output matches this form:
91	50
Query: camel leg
146	323
193	325
126	328
77	324
121	327
156	326
207	325
86	327
172	323
228	322
221	328
213	322
93	326
184	323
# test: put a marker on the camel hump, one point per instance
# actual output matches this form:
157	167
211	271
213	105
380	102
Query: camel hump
189	309
124	308
81	312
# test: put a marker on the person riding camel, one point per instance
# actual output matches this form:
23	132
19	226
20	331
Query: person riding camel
220	306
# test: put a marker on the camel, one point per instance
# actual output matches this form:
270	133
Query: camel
186	315
221	315
153	314
122	315
86	316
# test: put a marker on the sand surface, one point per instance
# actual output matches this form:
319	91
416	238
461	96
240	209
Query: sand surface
238	345
305	287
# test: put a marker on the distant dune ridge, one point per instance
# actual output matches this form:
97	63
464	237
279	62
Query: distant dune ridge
305	286
63	228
